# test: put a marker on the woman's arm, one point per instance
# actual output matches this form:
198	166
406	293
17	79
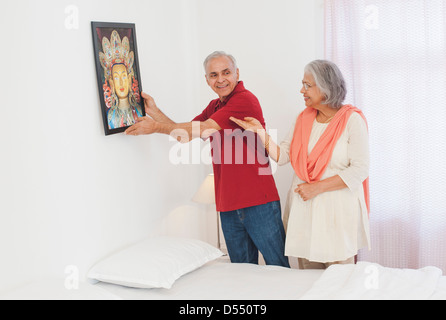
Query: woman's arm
358	153
310	190
254	125
358	170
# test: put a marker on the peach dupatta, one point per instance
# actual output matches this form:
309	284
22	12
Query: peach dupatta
310	168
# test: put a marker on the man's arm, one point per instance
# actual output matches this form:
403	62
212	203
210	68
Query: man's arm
153	111
183	132
158	122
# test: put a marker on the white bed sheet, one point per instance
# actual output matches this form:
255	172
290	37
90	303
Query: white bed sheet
440	291
221	280
371	281
55	289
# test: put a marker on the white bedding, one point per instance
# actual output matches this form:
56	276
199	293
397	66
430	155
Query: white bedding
55	289
371	281
217	280
221	280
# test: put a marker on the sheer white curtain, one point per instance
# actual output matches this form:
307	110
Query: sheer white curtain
393	55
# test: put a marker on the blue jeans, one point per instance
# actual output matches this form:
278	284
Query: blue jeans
250	230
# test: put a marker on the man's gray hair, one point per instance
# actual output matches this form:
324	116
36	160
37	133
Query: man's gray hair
329	80
218	54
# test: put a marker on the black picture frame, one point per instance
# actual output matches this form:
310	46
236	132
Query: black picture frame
118	75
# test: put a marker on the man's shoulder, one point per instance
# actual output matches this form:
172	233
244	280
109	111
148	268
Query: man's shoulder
245	96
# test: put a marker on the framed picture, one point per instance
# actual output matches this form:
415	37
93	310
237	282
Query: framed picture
118	75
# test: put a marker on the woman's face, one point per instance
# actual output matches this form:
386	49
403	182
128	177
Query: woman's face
121	81
312	95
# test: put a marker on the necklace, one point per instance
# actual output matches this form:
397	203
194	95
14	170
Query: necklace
328	120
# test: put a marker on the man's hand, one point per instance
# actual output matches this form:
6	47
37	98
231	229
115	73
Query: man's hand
153	111
149	103
143	126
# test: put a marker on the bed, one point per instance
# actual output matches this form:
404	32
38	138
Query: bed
221	280
164	268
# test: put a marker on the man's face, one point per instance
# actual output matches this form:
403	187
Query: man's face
222	76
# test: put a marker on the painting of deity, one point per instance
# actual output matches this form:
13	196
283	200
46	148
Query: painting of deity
118	75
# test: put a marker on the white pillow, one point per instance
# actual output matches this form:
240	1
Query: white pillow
154	263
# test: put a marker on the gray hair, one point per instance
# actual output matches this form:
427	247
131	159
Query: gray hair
218	54
329	80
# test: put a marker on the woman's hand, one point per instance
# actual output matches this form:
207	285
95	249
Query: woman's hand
249	124
254	125
308	191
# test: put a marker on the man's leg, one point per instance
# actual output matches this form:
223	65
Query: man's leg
241	248
265	227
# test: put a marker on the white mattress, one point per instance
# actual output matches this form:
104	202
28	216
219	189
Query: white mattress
221	280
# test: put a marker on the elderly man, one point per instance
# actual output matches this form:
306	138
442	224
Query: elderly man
246	197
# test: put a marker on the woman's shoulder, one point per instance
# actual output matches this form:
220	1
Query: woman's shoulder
356	117
356	122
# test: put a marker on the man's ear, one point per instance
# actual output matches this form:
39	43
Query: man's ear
238	74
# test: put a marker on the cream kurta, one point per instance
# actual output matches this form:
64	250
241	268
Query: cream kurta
334	225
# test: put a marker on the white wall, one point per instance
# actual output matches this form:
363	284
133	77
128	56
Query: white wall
69	195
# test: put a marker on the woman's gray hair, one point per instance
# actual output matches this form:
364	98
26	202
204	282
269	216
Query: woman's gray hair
329	80
218	54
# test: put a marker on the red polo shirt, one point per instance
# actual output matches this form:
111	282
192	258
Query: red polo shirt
242	171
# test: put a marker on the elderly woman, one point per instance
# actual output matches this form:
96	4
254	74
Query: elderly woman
328	203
